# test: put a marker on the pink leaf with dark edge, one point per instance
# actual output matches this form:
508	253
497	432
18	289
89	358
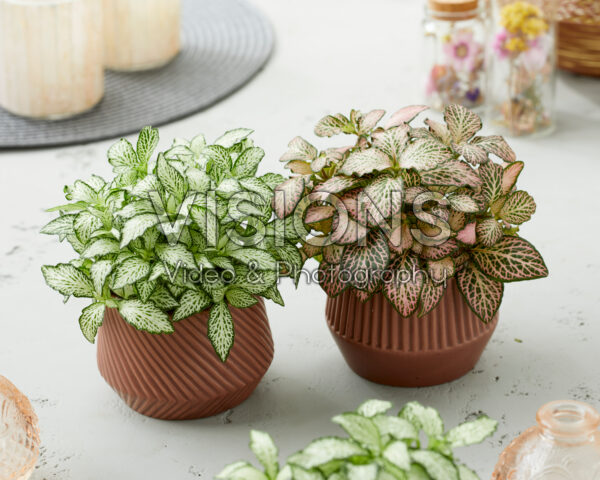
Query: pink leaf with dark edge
425	154
299	149
451	173
350	199
405	115
518	208
333	253
284	203
413	192
404	289
366	263
385	194
317	213
439	130
350	232
337	184
440	251
510	175
482	294
464	203
472	153
299	167
431	294
496	145
511	259
491	175
400	239
330	279
392	141
489	231
411	178
422	132
362	296
462	123
369	121
326	158
440	270
366	161
468	234
331	125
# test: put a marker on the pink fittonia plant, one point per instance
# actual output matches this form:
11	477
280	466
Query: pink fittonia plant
405	208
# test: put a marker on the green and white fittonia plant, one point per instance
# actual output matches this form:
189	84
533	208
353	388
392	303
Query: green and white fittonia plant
172	235
403	198
410	446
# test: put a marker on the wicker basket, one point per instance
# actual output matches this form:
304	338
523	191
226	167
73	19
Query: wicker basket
579	36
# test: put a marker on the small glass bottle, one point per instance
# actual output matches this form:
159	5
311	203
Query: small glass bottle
565	445
521	60
19	436
455	52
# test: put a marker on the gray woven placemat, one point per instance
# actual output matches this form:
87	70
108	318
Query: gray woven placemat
224	44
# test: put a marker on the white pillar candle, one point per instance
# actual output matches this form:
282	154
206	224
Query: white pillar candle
50	57
140	34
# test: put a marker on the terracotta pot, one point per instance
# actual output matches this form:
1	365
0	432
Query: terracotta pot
179	376
384	347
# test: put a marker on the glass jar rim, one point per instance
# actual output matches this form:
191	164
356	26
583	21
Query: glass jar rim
568	418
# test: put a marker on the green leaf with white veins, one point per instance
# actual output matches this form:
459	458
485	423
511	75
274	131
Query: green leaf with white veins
385	193
100	247
145	288
463	203
465	473
146	143
472	432
325	450
122	154
220	330
247	163
397	453
462	123
84	225
176	255
208	223
145	316
198	180
147	184
163	299
265	450
361	429
62	225
370	408
392	141
91	319
239	298
241	471
135	227
425	154
130	271
437	466
331	125
426	418
99	272
361	472
190	303
260	259
231	137
170	178
399	428
67	280
219	161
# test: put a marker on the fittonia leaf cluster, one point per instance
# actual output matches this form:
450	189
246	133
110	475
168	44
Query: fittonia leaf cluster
412	445
172	235
435	199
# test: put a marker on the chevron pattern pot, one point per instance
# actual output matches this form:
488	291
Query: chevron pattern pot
179	376
384	347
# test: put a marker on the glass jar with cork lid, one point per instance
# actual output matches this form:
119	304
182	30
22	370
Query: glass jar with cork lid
455	33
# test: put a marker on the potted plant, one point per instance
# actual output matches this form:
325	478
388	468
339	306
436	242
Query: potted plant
416	232
379	447
176	253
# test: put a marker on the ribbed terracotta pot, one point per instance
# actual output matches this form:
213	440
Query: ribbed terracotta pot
384	347
179	376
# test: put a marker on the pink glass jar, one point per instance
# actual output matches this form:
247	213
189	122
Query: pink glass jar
564	445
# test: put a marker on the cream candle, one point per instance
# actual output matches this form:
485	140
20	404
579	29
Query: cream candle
50	57
140	34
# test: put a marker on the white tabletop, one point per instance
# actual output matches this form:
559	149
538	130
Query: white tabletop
330	56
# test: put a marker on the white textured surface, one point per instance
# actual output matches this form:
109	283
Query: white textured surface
331	55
